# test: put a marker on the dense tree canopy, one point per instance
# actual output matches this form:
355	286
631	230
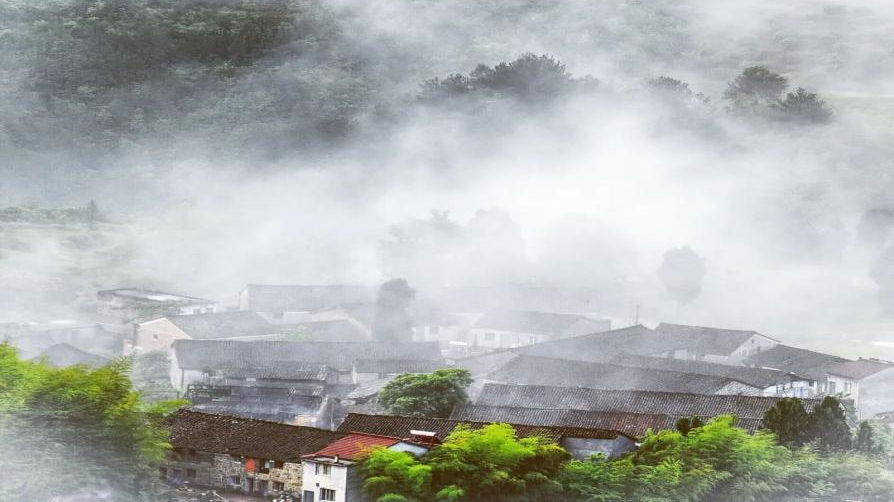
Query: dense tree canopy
426	395
52	420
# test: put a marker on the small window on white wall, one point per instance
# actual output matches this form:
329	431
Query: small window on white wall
327	494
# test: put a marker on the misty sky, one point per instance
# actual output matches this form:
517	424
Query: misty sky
592	189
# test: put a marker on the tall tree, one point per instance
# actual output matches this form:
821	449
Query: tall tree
393	321
829	424
426	395
756	87
682	271
789	421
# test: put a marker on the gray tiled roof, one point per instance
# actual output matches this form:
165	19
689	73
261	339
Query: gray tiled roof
532	370
603	346
805	362
242	436
860	368
63	355
757	377
705	340
635	401
399	426
634	424
528	321
211	354
223	325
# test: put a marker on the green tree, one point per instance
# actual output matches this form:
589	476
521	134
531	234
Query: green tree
487	464
804	107
426	395
755	88
392	321
789	421
829	425
686	424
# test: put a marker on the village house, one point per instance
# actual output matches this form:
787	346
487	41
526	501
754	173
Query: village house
134	304
675	404
869	382
534	370
772	382
296	303
34	338
332	475
159	334
728	346
516	328
807	363
63	355
635	425
229	453
580	441
193	360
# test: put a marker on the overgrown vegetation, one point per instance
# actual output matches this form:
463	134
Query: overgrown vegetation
712	462
70	429
426	395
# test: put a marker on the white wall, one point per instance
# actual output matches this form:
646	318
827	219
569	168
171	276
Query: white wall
336	480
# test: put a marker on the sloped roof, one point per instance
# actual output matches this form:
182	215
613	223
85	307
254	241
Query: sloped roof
400	426
529	321
62	355
632	424
805	362
860	368
389	366
532	370
757	377
149	295
244	436
223	325
355	446
212	354
635	401
283	370
603	346
337	330
485	362
304	298
705	340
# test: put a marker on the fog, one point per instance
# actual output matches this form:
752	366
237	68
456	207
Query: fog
589	188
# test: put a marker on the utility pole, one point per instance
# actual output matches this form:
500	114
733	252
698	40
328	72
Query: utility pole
636	318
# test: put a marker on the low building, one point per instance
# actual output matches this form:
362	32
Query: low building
159	334
533	370
331	474
869	382
676	404
63	355
230	453
296	303
807	363
728	346
135	305
517	328
580	441
635	425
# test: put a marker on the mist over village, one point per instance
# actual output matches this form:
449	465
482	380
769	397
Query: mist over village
456	251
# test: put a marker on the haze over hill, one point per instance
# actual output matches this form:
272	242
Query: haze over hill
284	141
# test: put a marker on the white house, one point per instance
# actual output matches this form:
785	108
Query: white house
331	474
869	382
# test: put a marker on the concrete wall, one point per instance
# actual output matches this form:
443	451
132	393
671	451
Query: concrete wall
158	334
495	339
337	480
583	448
872	395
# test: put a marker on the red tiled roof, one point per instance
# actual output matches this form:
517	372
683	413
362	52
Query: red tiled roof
354	446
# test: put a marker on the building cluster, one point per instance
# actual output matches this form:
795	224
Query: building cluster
283	386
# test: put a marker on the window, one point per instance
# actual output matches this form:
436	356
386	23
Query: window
278	487
847	386
532	340
235	480
831	387
324	469
190	473
278	465
327	494
155	336
489	336
162	472
279	315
